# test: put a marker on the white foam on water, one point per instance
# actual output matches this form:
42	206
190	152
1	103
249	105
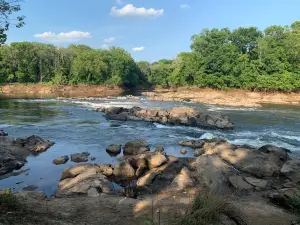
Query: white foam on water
290	137
105	104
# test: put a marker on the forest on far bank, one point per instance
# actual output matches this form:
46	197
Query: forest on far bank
245	58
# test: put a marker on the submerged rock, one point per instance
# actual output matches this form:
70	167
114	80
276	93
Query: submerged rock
30	188
61	160
80	157
177	116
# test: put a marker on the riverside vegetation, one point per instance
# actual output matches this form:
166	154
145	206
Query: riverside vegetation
245	58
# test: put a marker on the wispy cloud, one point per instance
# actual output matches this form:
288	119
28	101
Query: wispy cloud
185	6
138	49
132	11
109	40
72	36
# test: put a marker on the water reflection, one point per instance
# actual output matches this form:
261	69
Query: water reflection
22	112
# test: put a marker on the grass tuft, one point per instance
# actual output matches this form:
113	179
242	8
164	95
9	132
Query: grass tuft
206	209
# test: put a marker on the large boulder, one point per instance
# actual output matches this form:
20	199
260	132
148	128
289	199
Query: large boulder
34	144
259	162
213	172
13	153
156	160
123	172
136	147
291	169
83	180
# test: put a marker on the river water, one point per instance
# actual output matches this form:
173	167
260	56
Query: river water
75	127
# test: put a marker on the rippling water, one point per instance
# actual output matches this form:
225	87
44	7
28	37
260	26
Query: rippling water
75	127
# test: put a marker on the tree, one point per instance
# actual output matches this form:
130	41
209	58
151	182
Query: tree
7	8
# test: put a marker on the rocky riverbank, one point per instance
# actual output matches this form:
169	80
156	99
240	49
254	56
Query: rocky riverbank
264	182
219	97
53	91
176	116
161	187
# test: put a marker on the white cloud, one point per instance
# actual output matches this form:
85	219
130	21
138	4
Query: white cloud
131	10
185	6
109	40
138	49
72	36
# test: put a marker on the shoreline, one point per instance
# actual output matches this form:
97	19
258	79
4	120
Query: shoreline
54	91
235	98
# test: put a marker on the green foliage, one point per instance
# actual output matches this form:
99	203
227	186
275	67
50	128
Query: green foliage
27	62
206	209
7	8
242	58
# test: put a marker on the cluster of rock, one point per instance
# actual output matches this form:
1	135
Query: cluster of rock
246	168
175	116
138	168
13	153
219	166
75	157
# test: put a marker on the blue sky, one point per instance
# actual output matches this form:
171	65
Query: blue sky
148	34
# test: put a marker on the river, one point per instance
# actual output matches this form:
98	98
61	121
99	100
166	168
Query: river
75	127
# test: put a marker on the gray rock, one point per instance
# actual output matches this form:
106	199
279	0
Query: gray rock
291	169
114	149
124	171
136	147
183	151
156	160
80	157
13	153
260	183
61	160
192	143
239	183
178	115
92	192
183	180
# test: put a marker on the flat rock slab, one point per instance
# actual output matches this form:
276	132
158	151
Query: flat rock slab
257	182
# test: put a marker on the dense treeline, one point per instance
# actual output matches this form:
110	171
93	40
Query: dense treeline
220	58
243	58
26	62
